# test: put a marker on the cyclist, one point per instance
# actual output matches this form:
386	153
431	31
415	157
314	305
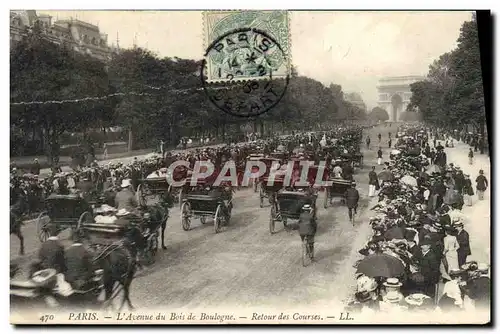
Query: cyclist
307	227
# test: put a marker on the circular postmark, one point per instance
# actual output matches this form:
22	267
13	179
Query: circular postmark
245	72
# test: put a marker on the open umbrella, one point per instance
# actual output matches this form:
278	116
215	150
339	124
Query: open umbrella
381	265
433	169
409	180
385	176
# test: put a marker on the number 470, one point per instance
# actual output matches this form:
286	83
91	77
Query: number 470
46	317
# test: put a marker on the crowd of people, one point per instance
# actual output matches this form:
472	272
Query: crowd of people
419	256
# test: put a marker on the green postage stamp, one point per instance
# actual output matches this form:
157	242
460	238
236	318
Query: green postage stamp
242	45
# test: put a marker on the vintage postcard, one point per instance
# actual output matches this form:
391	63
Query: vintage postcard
249	167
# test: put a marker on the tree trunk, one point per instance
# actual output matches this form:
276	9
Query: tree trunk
130	139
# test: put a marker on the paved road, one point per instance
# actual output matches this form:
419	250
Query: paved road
245	265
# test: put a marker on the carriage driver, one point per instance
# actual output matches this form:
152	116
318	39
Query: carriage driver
307	225
125	198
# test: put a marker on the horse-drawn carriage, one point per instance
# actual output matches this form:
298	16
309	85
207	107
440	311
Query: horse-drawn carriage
62	212
141	231
151	186
288	206
267	189
206	201
336	190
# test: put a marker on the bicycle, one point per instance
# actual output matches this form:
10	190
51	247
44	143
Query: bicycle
307	251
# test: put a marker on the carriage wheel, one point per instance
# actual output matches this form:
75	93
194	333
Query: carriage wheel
203	220
185	216
272	218
218	219
43	226
327	198
85	218
140	195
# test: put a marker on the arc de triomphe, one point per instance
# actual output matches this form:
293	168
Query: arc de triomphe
394	94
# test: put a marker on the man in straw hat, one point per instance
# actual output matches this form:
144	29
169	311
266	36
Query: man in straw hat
125	198
307	226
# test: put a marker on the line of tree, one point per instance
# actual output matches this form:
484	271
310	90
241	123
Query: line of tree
452	95
44	71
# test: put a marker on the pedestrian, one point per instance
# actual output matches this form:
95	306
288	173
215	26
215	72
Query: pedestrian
379	156
162	148
463	243
450	250
35	168
390	142
373	182
429	263
379	138
105	147
352	198
367	142
481	185
471	156
468	191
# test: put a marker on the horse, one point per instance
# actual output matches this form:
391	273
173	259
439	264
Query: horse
16	220
118	262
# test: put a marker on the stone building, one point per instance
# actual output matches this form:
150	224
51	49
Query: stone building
83	37
394	94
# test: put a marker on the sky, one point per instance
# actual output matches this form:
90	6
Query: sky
353	49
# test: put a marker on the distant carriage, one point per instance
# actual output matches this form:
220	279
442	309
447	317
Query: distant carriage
203	203
336	190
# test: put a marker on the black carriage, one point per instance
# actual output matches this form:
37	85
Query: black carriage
336	190
288	206
255	157
357	160
62	212
215	203
269	189
282	156
151	187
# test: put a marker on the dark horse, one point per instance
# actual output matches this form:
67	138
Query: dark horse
16	220
119	266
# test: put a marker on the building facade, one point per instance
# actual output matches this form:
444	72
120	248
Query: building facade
81	36
394	94
356	100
